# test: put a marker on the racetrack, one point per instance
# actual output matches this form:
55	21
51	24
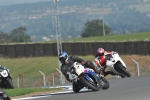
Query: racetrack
133	88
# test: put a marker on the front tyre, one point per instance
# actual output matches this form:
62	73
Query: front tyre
105	84
123	70
9	84
76	87
91	85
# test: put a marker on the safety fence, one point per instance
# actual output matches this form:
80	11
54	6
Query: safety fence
77	48
39	81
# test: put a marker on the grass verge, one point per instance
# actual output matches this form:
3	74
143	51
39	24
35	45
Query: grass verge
23	91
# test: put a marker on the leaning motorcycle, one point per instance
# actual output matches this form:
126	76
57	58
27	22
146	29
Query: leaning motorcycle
3	95
5	78
116	64
84	77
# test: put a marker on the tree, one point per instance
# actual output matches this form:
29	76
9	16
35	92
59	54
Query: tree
19	35
4	37
95	28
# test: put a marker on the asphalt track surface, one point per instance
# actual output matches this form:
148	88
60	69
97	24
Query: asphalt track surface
133	88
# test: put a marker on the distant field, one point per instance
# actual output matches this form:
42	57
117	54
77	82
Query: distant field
141	7
99	11
114	38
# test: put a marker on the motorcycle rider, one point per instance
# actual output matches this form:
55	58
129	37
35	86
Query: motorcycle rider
67	62
100	60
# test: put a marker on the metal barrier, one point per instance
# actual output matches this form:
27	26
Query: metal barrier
79	48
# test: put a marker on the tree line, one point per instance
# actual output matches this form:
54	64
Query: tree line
91	28
16	35
94	27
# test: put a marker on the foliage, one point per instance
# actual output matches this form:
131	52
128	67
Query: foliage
95	28
4	37
19	35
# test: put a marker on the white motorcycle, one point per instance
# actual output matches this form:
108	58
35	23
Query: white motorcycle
116	64
5	78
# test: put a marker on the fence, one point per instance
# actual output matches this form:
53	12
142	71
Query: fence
78	48
38	81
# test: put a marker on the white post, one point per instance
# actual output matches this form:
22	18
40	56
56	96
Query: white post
18	82
58	34
53	78
103	28
44	81
138	67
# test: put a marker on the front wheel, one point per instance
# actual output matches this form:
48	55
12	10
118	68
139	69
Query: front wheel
9	84
76	86
123	70
90	84
105	84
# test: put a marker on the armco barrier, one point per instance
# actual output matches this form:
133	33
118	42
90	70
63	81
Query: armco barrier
77	48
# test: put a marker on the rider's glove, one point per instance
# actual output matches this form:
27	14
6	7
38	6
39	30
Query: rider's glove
102	68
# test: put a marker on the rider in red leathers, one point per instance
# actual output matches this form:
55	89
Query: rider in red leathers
100	60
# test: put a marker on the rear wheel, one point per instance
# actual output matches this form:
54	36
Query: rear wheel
90	84
122	69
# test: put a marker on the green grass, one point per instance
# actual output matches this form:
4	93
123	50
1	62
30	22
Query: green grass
114	38
29	67
23	91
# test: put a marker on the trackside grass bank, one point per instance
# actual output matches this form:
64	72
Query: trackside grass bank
145	36
23	91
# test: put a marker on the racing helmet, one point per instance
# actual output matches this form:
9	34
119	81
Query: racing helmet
100	52
63	57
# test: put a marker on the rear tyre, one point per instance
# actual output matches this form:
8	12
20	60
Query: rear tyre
94	86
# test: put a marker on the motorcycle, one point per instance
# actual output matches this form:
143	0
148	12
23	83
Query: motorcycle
84	77
4	96
5	78
116	64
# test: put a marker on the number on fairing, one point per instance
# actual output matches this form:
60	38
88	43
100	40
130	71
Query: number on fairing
79	69
4	73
